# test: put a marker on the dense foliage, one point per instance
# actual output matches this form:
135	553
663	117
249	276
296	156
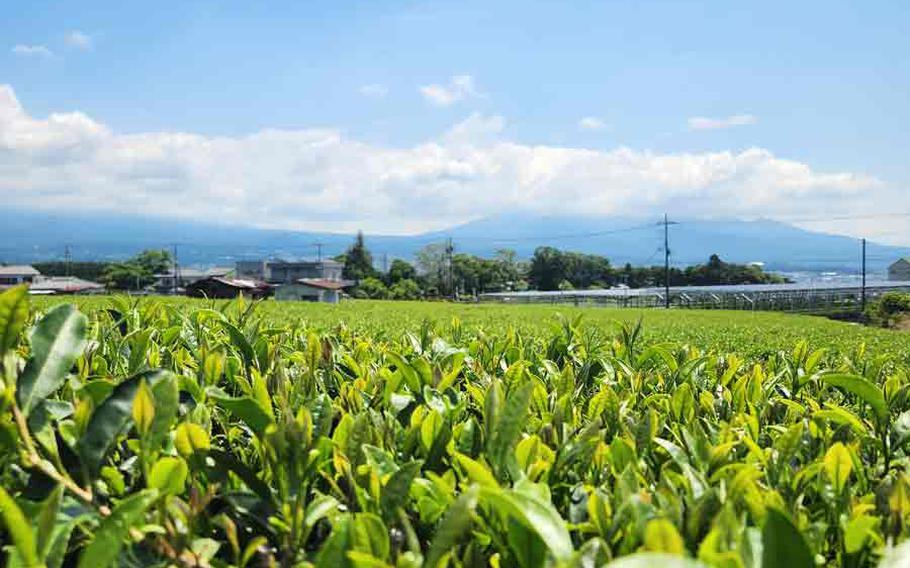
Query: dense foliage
206	434
892	308
442	272
137	272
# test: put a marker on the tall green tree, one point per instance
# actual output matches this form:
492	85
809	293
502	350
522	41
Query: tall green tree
358	262
400	270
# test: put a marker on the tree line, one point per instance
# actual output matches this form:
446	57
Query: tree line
440	272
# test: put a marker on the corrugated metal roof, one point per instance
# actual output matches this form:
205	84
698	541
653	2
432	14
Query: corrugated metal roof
64	285
18	270
324	283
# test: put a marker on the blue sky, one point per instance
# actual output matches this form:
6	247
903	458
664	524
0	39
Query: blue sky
822	86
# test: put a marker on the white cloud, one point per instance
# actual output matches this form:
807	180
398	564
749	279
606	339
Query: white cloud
374	90
460	87
320	179
32	50
704	123
79	40
591	123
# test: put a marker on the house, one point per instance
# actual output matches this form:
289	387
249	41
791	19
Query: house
900	270
286	272
223	287
312	290
57	285
13	275
165	282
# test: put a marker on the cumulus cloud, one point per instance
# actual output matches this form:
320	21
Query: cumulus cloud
460	87
32	50
705	123
321	179
375	90
78	39
591	123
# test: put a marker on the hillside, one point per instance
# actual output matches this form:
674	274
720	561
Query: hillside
30	236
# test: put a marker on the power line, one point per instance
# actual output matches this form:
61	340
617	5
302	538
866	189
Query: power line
562	236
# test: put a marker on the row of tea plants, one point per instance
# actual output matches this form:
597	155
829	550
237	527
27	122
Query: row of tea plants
151	434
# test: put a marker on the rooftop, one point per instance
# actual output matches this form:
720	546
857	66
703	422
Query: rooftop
18	270
324	283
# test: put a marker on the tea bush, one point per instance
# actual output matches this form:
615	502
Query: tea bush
158	433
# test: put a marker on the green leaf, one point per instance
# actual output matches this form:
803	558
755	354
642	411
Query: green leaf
454	525
782	543
20	530
538	516
47	518
396	490
476	471
247	409
107	541
370	535
13	316
143	409
838	465
241	343
862	388
319	508
112	418
168	475
857	532
661	536
190	439
509	425
57	341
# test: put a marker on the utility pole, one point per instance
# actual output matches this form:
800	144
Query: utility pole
666	262
450	279
68	258
176	277
863	289
318	251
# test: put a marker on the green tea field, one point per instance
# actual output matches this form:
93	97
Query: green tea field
170	432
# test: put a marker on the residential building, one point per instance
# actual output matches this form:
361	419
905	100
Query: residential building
222	287
13	275
289	272
900	270
312	290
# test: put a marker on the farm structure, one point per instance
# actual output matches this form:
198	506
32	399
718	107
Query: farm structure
773	297
220	287
312	290
57	285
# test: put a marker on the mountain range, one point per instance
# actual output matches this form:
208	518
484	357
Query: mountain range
31	236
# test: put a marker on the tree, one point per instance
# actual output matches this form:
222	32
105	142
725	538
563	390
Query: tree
126	276
154	261
547	269
358	262
432	264
405	289
400	270
137	272
371	288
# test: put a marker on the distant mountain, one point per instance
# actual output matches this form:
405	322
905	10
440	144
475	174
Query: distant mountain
29	236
